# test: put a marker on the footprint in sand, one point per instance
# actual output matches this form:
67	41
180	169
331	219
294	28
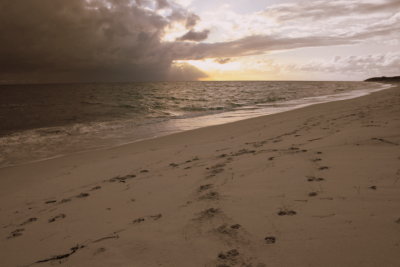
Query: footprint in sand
323	168
193	159
270	239
208	213
205	187
315	179
155	217
228	230
30	220
142	219
65	200
58	217
210	196
312	194
286	212
83	195
229	254
122	179
215	169
95	188
228	258
316	159
16	233
138	220
243	152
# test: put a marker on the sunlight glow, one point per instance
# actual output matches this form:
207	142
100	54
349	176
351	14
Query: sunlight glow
232	70
210	65
174	31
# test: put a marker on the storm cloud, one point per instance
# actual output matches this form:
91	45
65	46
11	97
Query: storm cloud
78	40
122	40
194	36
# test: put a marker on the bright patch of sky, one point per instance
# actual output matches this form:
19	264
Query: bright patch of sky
359	31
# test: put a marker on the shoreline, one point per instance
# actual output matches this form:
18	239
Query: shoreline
260	113
315	186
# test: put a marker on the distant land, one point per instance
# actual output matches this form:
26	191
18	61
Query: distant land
384	79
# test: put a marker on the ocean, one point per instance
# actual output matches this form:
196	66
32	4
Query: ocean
38	122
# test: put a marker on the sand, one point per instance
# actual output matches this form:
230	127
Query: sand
317	186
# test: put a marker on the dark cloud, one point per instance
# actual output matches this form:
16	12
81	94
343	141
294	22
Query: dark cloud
162	4
251	45
194	36
82	40
191	20
185	72
121	40
222	60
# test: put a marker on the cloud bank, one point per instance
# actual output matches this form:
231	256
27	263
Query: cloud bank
78	40
366	66
122	40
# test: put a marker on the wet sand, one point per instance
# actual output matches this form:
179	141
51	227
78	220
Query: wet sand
318	186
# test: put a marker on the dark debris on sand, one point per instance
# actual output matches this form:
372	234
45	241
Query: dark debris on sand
62	256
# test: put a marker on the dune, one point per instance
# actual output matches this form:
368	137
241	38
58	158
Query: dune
317	186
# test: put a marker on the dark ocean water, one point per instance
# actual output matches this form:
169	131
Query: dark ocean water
42	121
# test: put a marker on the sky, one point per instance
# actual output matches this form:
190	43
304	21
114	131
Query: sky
181	40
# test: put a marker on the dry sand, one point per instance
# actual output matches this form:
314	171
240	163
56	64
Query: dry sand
318	186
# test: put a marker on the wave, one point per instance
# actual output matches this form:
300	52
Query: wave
122	119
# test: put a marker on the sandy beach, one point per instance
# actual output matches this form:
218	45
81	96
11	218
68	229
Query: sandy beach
317	186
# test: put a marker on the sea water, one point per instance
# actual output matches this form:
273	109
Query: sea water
38	122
